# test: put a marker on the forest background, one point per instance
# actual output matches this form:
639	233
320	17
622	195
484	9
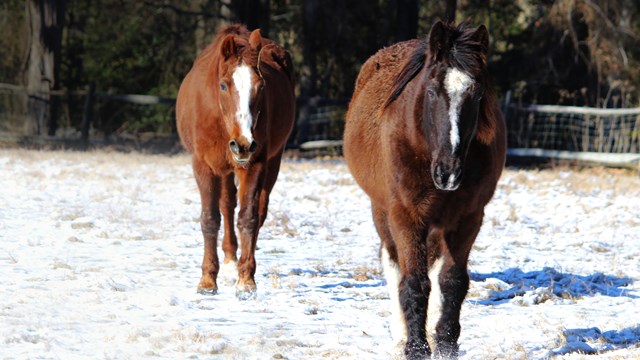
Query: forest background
52	53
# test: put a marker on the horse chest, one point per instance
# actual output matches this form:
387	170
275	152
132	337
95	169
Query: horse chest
217	160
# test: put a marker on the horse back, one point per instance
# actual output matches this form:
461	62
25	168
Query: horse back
366	135
186	111
379	71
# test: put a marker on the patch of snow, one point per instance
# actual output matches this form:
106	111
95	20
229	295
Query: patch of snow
100	257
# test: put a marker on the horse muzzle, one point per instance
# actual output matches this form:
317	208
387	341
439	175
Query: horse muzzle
241	150
446	177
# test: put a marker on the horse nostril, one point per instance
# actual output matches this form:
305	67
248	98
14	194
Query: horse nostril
438	172
458	172
253	146
233	146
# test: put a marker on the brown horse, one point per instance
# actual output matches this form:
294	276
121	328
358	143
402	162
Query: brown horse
234	113
425	140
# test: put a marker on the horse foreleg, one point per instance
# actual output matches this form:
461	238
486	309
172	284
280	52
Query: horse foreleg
450	272
414	287
248	226
209	186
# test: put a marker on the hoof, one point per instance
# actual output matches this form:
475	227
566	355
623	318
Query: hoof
414	350
207	285
207	291
246	290
246	295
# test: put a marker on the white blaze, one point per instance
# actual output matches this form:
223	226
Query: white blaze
434	310
456	83
242	82
392	275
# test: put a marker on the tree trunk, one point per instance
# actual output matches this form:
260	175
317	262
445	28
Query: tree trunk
253	13
309	71
227	12
203	31
406	19
45	19
450	11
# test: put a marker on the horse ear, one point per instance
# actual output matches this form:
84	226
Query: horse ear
481	36
255	39
228	47
436	38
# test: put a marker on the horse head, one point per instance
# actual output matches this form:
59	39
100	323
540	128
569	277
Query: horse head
240	93
455	84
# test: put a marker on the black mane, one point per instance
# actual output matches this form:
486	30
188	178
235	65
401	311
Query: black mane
457	48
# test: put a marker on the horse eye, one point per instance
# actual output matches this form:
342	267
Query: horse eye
432	93
478	96
223	86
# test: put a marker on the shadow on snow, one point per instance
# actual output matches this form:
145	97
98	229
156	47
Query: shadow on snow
595	341
555	282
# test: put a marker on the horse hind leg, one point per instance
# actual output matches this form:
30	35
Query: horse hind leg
397	324
271	175
389	260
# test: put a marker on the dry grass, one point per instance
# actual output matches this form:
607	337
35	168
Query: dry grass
577	180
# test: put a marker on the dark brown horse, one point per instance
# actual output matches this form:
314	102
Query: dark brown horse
425	140
234	113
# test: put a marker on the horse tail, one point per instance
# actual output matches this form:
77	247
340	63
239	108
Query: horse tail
410	69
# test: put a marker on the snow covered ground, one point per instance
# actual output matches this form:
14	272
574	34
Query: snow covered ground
100	257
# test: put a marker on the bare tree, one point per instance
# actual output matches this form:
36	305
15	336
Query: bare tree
309	71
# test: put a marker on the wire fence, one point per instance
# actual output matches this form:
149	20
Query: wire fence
88	116
532	129
79	113
576	129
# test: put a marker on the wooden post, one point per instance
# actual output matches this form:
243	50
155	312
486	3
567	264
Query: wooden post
309	70
87	114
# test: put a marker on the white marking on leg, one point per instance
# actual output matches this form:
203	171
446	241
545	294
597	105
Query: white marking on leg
436	300
392	275
456	83
228	274
242	82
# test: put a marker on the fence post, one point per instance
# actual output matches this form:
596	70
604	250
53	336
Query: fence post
87	114
505	105
306	108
